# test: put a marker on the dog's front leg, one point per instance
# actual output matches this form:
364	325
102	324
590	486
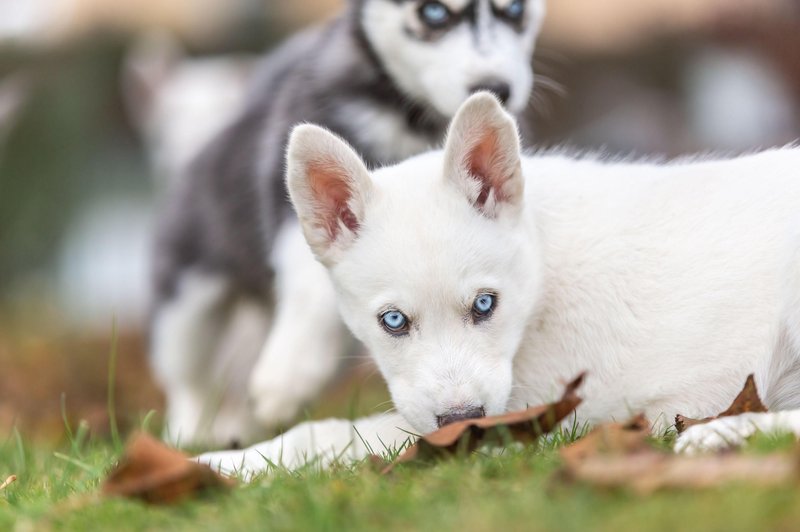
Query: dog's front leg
185	343
318	443
302	351
734	431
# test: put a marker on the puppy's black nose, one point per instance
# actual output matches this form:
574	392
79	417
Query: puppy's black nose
501	89
453	415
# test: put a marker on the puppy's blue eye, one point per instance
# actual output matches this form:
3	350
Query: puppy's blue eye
483	305
434	14
515	9
395	322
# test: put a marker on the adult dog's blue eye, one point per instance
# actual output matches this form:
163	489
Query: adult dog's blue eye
515	9
483	306
395	322
434	14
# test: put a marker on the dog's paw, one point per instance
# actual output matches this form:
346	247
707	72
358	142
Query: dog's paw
243	464
314	442
274	401
183	425
722	433
232	426
280	386
280	452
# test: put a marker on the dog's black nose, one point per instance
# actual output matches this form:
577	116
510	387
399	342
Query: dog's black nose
501	89
453	415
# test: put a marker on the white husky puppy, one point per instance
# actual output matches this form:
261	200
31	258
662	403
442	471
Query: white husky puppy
481	279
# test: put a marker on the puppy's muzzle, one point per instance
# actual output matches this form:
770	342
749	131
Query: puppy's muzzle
459	414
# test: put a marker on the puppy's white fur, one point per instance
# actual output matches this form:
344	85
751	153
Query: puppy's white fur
667	283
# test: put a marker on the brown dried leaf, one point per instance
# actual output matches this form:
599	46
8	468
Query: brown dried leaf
10	480
619	455
652	470
376	463
747	401
466	436
156	474
612	438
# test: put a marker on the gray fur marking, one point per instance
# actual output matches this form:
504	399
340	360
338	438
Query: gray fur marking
224	216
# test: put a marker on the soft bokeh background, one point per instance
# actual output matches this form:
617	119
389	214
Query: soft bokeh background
100	99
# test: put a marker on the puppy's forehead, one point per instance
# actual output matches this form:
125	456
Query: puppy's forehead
413	181
502	4
452	5
408	197
418	225
460	5
456	5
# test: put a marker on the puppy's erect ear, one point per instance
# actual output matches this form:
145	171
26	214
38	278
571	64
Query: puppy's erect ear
482	155
329	187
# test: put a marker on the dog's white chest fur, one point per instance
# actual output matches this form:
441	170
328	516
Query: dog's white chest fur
384	130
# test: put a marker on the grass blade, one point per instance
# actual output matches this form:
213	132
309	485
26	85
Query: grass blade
112	376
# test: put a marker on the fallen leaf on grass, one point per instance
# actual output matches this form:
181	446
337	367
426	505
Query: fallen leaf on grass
156	474
620	455
524	426
376	463
747	401
10	480
652	470
610	439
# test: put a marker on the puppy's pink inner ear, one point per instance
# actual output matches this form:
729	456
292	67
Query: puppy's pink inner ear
485	165
331	187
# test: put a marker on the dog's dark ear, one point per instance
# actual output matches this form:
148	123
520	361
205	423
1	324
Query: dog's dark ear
482	155
329	186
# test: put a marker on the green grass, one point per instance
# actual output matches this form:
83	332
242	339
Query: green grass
514	491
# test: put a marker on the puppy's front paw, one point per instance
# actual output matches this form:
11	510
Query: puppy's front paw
716	435
274	401
245	464
289	450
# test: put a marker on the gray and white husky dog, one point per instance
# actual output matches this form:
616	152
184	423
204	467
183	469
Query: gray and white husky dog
245	328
